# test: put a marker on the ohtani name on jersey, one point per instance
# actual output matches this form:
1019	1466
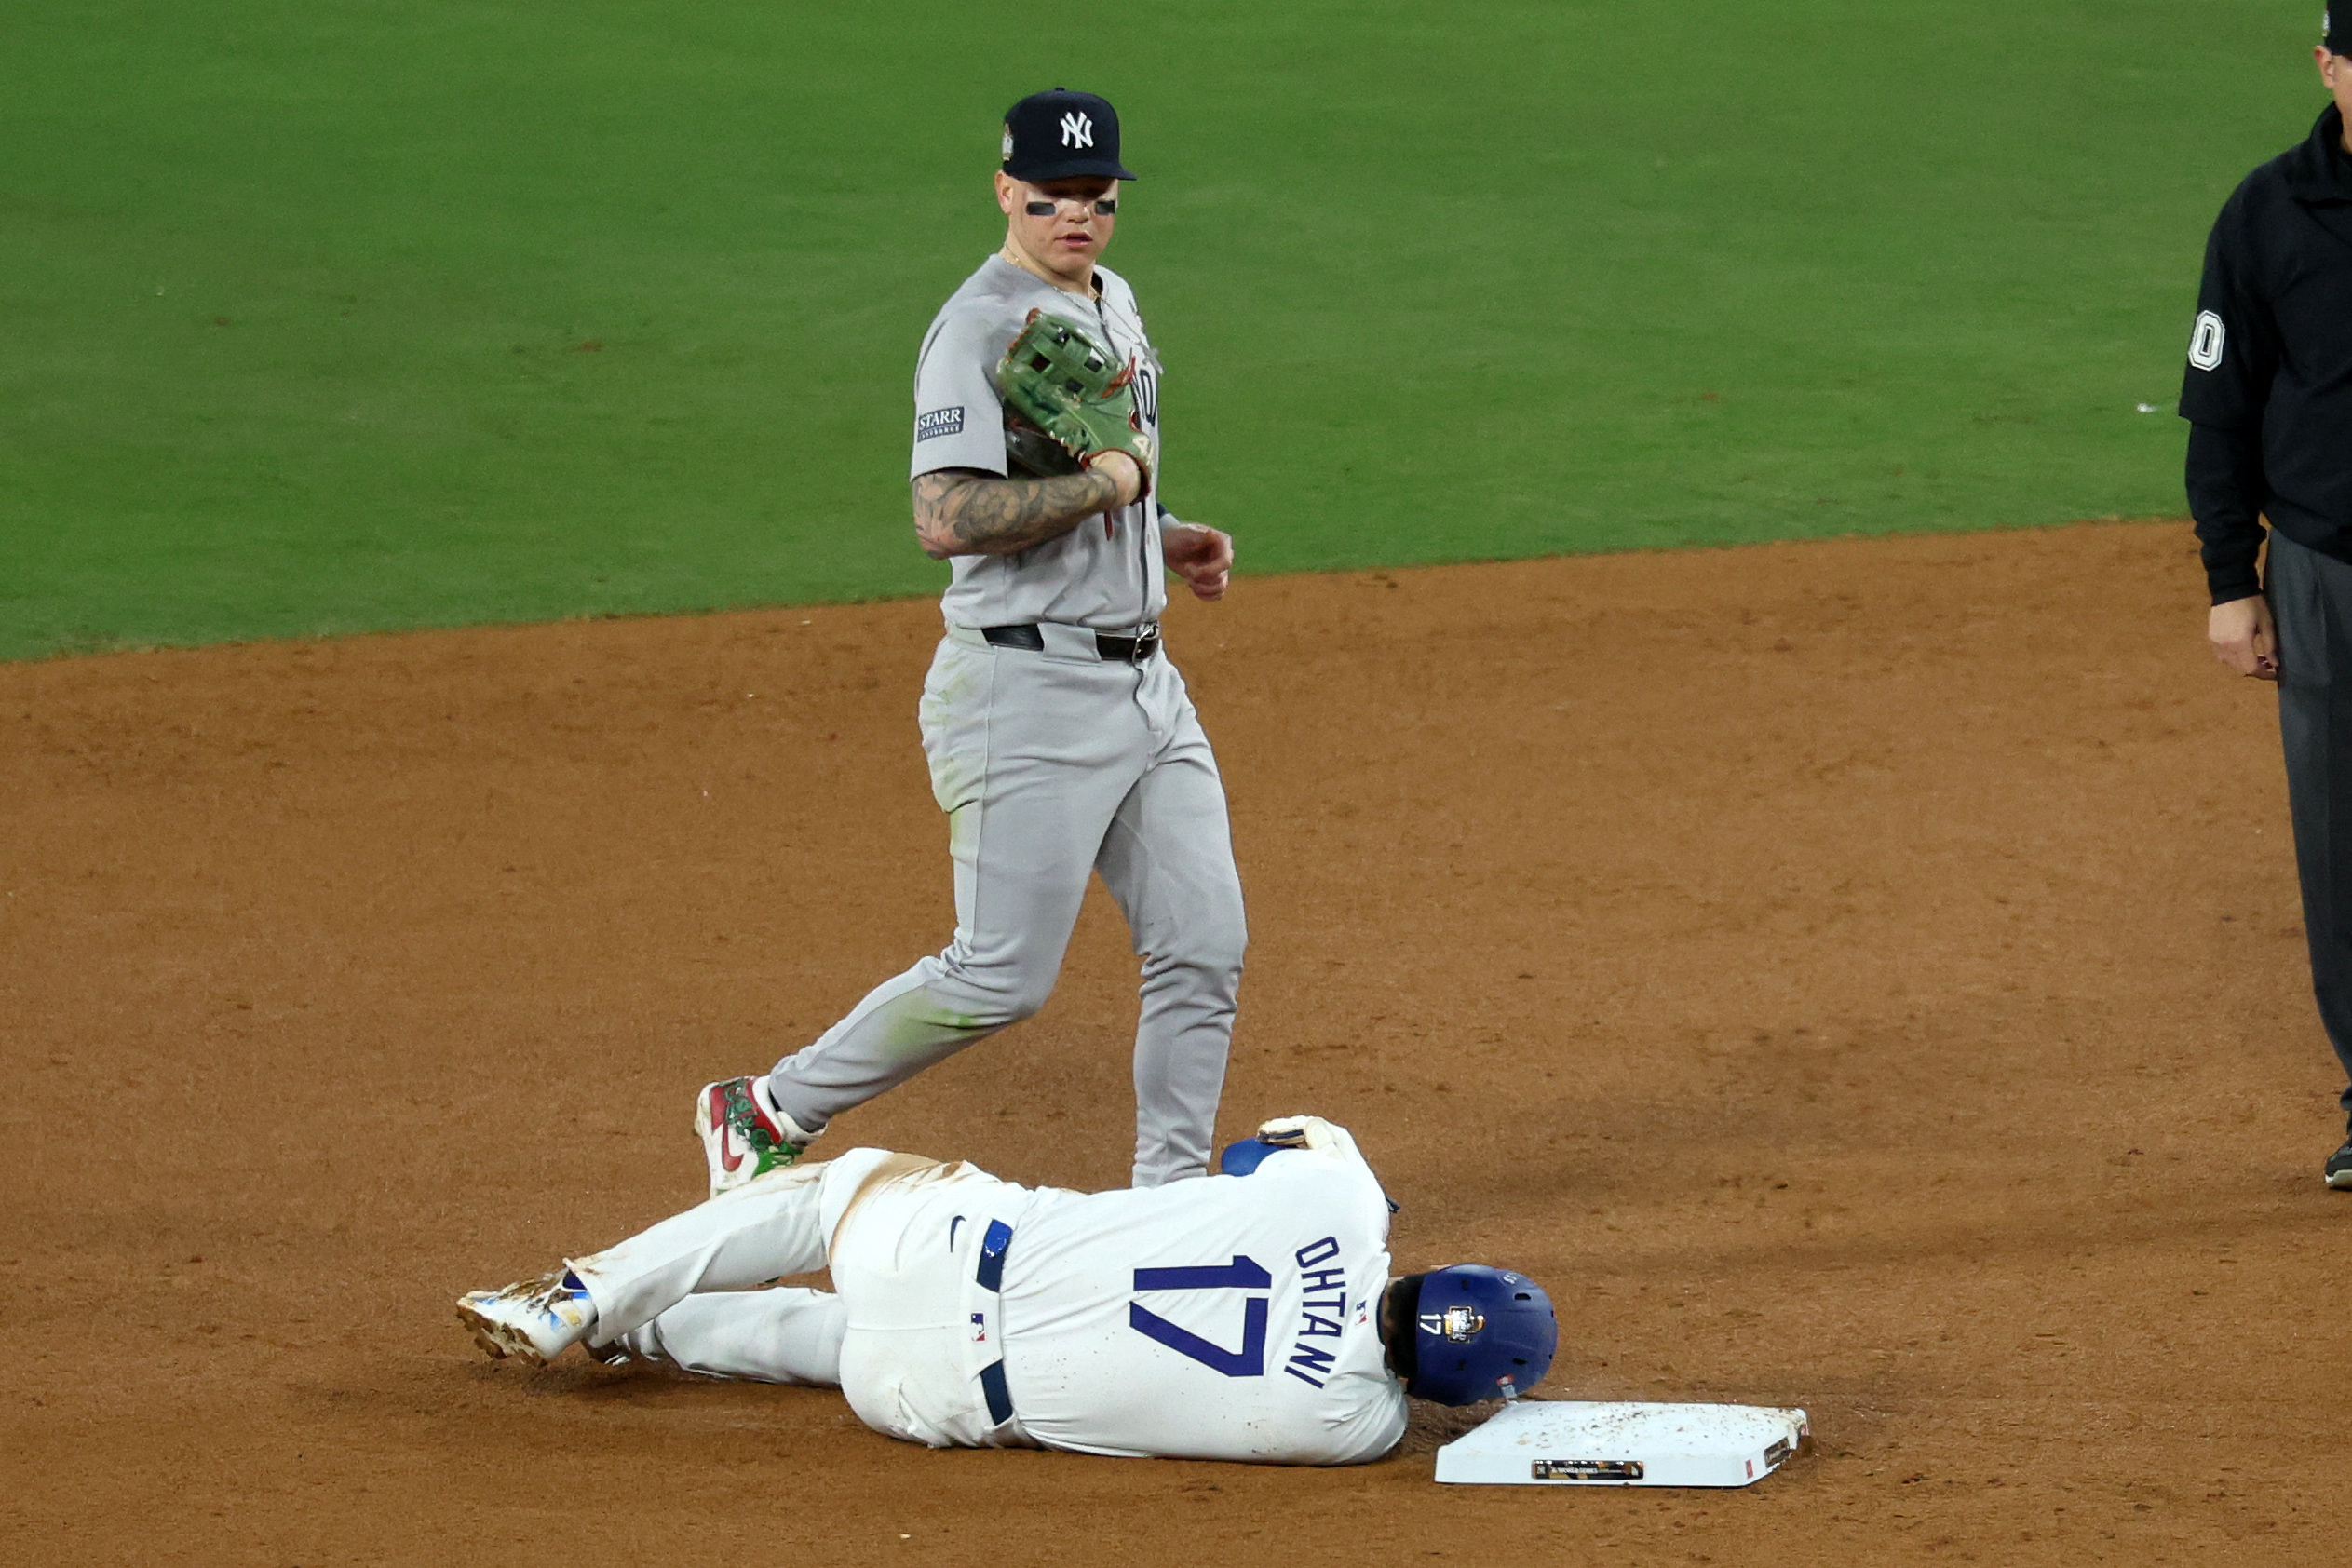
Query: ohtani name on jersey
1322	1312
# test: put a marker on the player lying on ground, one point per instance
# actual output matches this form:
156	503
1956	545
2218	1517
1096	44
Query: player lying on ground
1246	1316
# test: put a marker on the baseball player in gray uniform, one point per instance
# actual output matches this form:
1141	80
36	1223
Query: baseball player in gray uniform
1251	1316
1062	741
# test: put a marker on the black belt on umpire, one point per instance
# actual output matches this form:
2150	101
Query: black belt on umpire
990	1276
1110	649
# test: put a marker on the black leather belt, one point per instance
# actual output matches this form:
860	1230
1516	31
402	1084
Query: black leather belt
1109	649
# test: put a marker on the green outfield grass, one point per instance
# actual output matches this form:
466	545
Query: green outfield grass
358	314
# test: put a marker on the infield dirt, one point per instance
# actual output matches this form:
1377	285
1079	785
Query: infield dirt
1861	975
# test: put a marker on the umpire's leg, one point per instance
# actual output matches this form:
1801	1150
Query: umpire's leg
2311	602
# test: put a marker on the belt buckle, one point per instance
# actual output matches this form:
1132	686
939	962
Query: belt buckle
1147	643
989	1274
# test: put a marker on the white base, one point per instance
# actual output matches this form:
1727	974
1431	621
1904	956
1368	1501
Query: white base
1561	1442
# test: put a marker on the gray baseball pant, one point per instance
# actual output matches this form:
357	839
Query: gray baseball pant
1051	766
2311	604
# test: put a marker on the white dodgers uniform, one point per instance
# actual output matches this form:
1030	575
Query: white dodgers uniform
1061	744
1229	1318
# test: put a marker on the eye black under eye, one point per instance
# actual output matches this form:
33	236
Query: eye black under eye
1041	210
1108	207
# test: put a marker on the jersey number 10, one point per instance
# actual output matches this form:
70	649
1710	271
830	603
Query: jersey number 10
1242	1274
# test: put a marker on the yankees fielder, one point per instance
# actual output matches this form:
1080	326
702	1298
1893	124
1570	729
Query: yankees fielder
1060	739
1250	1316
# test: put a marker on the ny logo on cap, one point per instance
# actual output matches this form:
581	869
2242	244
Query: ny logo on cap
1077	130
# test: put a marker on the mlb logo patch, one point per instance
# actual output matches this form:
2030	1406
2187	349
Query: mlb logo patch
939	422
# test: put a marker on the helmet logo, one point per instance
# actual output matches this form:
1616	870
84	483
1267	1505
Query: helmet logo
1457	1324
1077	130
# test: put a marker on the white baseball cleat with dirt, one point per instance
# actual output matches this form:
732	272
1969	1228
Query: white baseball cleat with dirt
534	1320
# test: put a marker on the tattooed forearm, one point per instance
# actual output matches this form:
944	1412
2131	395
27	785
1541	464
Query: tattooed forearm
959	512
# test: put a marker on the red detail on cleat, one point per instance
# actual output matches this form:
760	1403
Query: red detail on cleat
728	1158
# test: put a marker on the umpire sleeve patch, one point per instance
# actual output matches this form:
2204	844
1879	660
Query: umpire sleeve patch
949	422
2205	343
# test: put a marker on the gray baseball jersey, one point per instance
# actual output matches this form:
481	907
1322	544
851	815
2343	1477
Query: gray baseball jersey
1053	764
1107	573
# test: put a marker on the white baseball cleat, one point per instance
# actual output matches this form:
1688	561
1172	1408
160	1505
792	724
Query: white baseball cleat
744	1136
534	1320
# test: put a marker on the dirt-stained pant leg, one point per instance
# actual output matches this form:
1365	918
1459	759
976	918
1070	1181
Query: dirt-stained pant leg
1033	757
2311	602
682	1289
920	1325
908	1331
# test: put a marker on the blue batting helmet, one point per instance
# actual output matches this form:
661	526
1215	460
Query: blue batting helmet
1480	1333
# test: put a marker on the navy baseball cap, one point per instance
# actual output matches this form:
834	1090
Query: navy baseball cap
1062	135
2337	42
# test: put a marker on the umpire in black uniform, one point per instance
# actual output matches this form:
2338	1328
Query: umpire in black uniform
2268	395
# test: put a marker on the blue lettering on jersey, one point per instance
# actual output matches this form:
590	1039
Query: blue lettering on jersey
939	422
1322	1311
1242	1273
1314	1360
1248	1361
1319	1315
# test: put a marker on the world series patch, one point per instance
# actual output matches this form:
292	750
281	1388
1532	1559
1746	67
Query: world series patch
939	422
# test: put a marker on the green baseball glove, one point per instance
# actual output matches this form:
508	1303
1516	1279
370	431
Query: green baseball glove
1066	400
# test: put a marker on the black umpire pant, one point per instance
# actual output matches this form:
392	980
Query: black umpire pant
2311	602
